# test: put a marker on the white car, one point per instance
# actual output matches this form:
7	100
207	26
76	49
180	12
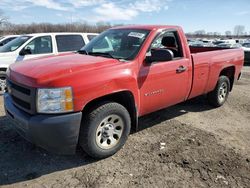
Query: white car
5	39
39	45
246	47
229	45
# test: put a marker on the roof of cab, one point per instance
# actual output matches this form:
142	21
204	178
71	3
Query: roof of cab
59	33
147	27
8	36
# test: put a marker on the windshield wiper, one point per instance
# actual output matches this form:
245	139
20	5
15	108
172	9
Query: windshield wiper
82	52
105	54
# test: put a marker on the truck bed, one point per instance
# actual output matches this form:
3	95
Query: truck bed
204	49
207	64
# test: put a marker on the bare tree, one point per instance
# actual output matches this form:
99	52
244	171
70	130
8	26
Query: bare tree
200	32
3	19
228	33
239	30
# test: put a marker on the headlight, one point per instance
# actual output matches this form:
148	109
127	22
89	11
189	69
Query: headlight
58	100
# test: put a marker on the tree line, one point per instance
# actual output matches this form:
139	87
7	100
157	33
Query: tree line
238	31
9	28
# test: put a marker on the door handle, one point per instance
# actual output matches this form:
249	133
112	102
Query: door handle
181	69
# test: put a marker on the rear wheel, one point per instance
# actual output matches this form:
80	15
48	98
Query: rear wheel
105	130
219	95
2	82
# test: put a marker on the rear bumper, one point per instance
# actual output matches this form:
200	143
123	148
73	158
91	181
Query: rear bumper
55	133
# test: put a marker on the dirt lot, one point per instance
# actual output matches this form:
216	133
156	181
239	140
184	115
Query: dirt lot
188	145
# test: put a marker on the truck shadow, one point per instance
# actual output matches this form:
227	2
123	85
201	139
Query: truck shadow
197	104
21	160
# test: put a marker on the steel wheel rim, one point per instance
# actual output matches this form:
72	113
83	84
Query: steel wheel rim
223	92
2	83
109	131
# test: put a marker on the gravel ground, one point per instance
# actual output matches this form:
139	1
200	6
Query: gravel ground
188	145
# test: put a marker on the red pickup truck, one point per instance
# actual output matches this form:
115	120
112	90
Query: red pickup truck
93	98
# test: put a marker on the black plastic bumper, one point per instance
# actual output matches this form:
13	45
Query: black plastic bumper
55	133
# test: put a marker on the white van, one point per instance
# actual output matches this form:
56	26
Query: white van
38	45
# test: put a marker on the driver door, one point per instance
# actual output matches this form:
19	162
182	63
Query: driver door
161	84
38	47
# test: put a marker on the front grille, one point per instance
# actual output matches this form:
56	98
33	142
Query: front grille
22	103
21	89
22	96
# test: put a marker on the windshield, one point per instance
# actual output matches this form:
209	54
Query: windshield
246	45
14	44
117	43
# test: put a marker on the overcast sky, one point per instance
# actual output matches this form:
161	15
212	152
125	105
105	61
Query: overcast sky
192	15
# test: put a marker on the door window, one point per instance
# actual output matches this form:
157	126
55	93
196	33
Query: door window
168	40
40	45
68	43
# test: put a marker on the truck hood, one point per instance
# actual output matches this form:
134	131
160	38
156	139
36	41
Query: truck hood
43	70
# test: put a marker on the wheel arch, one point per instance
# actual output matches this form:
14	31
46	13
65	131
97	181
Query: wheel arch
125	98
229	72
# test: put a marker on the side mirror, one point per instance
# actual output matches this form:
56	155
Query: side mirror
1	44
24	52
160	55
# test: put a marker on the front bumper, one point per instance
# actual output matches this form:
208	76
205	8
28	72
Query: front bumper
55	133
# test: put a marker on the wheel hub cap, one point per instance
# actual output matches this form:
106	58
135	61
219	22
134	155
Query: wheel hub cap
109	131
223	92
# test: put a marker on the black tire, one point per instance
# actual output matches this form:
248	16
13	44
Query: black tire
2	77
92	123
215	97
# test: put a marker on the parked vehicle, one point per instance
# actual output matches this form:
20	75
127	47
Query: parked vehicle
229	45
208	43
39	45
217	42
196	43
246	48
5	39
93	98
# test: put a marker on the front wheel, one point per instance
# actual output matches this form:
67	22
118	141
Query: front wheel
2	82
219	95
105	130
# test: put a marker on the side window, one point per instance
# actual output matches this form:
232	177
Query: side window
90	37
67	43
168	40
40	45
